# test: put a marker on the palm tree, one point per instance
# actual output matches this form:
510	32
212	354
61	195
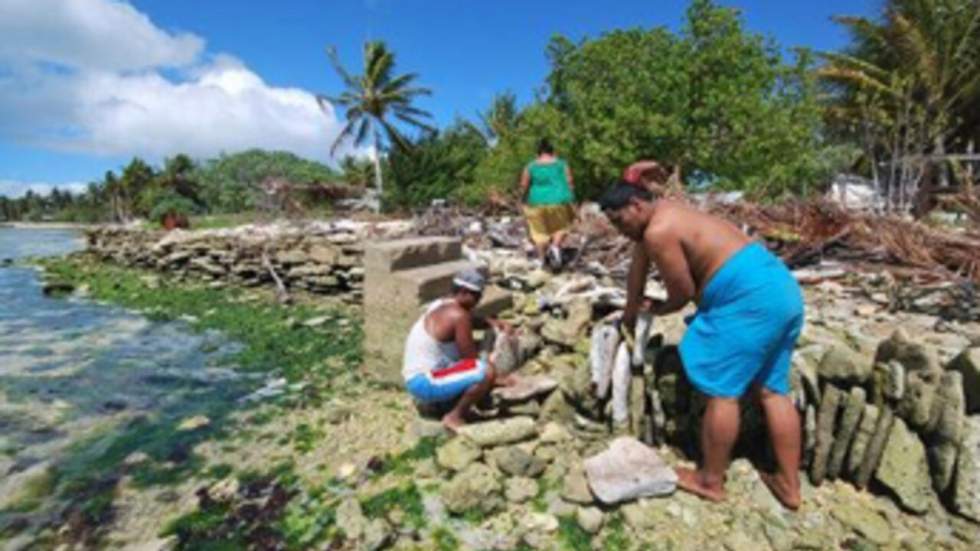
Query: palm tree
372	99
923	56
501	118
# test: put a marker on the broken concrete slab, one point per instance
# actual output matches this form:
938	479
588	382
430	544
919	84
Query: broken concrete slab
527	387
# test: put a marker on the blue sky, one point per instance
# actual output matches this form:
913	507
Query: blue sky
87	84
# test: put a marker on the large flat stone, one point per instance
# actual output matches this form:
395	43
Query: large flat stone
966	488
629	470
526	388
904	469
497	433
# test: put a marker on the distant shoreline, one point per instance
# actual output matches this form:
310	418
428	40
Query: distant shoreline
43	225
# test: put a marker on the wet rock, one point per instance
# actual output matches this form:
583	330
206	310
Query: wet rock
853	408
966	486
865	430
946	436
476	487
629	470
590	519
526	388
136	458
865	521
825	433
26	488
575	486
520	489
457	454
872	457
497	433
516	461
968	363
904	469
842	365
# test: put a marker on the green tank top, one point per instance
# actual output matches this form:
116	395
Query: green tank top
548	184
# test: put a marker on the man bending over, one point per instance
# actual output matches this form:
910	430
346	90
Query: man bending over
750	312
441	364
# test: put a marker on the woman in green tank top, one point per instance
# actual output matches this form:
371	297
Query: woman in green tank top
547	185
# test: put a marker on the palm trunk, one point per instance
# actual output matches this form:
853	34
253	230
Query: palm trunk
376	158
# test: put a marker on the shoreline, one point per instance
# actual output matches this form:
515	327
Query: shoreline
44	226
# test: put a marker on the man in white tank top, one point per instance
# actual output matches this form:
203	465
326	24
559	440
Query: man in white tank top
441	363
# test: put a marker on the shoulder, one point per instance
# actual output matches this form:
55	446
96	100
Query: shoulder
663	228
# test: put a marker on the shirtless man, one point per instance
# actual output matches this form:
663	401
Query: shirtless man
441	364
750	312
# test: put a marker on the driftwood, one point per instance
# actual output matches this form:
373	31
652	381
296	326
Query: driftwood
282	295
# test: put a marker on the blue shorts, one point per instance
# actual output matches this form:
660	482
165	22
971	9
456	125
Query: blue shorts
443	385
746	326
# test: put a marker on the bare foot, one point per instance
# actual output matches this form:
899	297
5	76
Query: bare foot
785	492
452	422
691	481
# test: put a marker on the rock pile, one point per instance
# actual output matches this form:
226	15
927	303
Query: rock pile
324	260
901	422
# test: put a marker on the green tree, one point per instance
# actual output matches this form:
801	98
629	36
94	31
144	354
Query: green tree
357	172
437	166
501	119
373	99
232	183
137	178
713	98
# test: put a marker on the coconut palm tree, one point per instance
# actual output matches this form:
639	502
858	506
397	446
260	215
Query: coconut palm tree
372	100
926	52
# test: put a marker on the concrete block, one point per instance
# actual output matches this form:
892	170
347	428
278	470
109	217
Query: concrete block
406	254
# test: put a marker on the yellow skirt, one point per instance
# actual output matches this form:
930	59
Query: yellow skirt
546	220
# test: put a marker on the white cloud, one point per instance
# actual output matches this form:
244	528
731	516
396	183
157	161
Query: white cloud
88	76
14	188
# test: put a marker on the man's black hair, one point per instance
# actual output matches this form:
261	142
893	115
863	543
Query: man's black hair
545	147
460	289
619	195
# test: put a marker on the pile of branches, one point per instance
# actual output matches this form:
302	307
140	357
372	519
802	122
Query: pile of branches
806	233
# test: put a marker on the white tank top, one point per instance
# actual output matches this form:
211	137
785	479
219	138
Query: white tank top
423	353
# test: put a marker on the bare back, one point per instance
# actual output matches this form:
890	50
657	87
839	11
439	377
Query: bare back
706	241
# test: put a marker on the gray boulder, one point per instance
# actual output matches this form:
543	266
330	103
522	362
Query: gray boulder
904	469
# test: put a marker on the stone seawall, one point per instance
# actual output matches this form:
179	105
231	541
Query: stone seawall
324	259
